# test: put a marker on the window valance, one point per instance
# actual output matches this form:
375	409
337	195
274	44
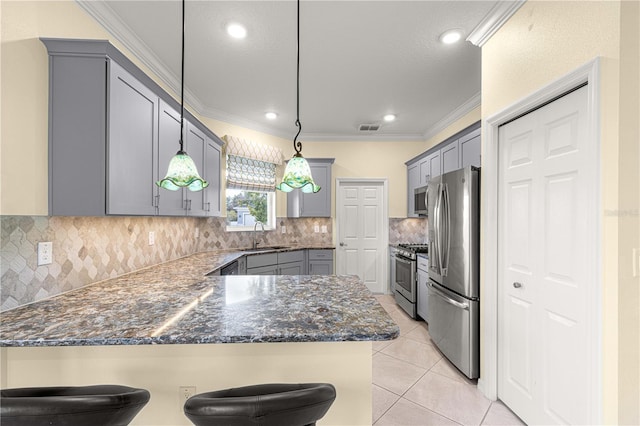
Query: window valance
253	150
251	165
249	174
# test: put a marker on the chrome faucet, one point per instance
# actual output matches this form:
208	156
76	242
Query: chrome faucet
255	232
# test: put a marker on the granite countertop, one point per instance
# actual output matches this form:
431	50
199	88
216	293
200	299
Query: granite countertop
176	303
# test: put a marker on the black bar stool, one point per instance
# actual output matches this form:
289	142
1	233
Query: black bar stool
264	405
100	405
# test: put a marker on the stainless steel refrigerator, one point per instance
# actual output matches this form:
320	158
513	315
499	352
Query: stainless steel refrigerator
454	267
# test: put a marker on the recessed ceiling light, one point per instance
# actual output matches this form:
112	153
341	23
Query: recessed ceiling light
271	115
451	36
389	117
236	31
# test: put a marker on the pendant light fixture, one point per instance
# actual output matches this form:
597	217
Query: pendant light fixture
297	174
182	172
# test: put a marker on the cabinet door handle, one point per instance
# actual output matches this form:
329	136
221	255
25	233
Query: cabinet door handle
517	285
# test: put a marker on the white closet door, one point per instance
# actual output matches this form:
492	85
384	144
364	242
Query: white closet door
544	265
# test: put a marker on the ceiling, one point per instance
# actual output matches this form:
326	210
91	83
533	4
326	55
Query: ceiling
359	60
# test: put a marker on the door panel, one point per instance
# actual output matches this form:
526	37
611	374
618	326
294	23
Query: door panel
543	338
361	233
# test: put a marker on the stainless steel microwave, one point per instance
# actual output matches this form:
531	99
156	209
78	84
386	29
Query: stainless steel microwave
420	201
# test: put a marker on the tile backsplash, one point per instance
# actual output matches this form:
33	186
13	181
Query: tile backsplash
90	249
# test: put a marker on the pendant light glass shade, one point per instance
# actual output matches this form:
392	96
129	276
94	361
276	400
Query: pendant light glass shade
297	175
182	173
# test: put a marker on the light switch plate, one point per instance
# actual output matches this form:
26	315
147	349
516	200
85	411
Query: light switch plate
152	238
45	253
324	229
316	228
283	229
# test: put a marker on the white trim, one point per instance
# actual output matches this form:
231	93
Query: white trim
493	21
385	217
471	104
589	73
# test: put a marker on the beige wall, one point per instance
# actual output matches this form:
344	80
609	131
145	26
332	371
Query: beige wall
346	365
24	88
24	132
543	41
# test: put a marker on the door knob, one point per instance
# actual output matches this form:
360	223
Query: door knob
517	285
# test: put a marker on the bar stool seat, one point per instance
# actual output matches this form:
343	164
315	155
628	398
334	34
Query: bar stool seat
100	405
264	405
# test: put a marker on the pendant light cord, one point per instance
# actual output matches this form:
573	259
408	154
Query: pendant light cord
297	145
182	86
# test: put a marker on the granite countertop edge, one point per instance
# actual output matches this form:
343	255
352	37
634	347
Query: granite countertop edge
137	308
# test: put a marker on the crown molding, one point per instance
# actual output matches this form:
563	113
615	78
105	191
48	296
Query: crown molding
493	21
110	21
453	116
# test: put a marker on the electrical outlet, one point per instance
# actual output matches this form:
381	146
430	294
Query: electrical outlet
45	253
152	238
283	229
324	229
197	232
316	228
186	392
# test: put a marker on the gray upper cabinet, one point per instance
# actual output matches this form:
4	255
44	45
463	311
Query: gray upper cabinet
300	204
413	182
211	173
470	149
450	157
112	132
133	136
195	144
170	203
460	150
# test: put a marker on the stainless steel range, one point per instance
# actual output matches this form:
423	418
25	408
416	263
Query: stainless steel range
405	279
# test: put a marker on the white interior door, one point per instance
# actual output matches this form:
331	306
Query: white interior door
362	231
544	266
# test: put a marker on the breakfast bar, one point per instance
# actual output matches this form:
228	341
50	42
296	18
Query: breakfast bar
171	326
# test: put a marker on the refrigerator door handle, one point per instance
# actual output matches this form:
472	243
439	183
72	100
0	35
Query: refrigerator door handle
447	234
447	299
438	228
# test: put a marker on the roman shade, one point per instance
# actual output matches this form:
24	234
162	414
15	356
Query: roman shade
251	165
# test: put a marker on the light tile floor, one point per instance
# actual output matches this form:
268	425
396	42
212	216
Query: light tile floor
413	384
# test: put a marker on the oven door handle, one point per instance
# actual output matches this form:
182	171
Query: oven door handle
447	299
402	260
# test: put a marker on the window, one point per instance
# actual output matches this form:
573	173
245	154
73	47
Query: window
245	208
251	181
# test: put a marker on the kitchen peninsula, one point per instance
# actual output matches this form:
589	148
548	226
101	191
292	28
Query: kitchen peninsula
170	325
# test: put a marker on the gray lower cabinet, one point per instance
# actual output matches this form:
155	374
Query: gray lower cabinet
282	263
300	204
112	132
320	262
